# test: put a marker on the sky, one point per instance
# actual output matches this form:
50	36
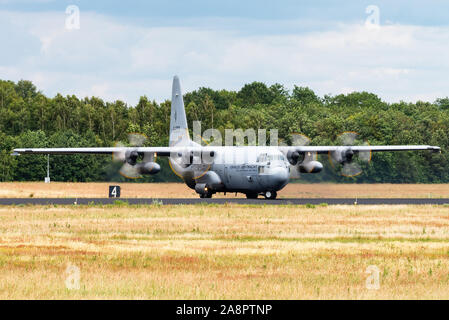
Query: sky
398	49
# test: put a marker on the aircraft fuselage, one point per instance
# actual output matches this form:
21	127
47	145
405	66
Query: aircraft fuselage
250	170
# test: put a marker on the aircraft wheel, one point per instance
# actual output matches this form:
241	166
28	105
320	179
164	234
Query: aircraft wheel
251	195
270	195
206	195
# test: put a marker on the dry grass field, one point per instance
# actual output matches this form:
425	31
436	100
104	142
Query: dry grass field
224	252
179	190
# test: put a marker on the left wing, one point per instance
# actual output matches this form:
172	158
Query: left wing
326	149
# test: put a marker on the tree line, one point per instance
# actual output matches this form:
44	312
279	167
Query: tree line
29	119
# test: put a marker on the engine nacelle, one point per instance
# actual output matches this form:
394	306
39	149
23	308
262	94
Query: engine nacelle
201	188
343	155
294	157
310	167
208	182
131	157
148	167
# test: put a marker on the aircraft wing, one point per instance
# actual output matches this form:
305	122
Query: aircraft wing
166	151
161	151
326	149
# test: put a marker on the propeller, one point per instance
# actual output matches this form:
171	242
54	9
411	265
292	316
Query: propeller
344	156
295	157
190	164
129	157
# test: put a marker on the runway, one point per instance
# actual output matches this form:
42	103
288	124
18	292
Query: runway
261	201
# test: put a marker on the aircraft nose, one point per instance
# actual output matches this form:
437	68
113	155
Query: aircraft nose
280	177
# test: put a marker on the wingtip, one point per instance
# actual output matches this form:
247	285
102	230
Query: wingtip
435	149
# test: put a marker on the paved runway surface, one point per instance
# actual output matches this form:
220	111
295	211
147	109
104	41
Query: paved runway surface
261	201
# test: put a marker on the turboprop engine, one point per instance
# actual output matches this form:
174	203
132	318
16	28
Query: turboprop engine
189	164
304	162
148	167
208	183
310	166
193	167
131	168
343	155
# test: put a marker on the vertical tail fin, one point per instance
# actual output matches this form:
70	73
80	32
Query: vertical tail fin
179	133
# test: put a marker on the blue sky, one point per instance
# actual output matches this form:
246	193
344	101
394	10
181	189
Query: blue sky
123	50
400	11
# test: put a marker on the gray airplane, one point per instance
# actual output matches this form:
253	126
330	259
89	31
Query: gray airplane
252	170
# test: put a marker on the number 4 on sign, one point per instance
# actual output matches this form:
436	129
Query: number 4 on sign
114	191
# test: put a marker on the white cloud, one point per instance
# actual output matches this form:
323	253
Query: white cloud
116	60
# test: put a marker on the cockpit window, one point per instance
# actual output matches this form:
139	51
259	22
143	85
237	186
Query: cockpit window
274	157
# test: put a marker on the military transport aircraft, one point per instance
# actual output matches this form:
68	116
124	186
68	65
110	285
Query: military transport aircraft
252	170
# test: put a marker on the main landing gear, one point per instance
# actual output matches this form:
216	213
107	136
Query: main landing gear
267	194
206	195
251	195
270	195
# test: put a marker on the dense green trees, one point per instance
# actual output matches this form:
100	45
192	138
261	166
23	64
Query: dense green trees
30	119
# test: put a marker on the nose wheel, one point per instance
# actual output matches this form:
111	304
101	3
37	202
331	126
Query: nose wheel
270	195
